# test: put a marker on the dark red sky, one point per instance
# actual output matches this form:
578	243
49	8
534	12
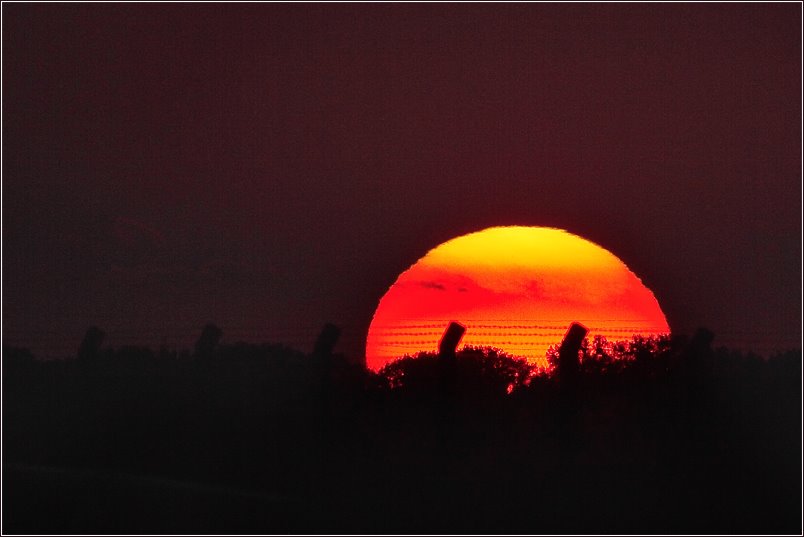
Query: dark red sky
271	167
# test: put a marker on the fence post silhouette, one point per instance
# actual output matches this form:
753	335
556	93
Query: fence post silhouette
450	340
323	358
447	347
326	341
208	342
697	368
89	351
445	411
568	364
699	356
324	363
568	371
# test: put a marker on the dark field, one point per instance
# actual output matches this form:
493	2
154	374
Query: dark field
680	438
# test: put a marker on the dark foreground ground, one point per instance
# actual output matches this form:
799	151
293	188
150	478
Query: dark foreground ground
265	440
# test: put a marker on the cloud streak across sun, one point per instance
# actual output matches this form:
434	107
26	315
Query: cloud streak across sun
516	288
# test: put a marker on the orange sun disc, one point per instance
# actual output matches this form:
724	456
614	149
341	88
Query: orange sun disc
515	288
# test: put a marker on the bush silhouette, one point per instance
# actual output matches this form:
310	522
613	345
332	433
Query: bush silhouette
484	370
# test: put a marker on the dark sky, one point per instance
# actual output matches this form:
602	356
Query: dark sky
271	167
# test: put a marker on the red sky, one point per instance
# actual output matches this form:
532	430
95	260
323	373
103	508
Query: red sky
271	167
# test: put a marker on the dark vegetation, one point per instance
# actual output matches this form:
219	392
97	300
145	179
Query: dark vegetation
647	436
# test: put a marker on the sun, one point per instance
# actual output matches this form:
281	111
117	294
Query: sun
516	288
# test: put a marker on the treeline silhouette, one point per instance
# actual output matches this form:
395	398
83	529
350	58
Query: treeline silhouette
651	435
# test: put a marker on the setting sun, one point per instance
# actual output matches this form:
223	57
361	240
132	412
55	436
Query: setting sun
515	288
